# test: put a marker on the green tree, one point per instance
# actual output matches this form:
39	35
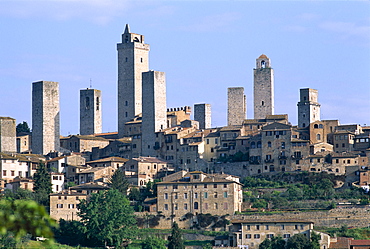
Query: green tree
42	185
20	217
119	181
153	243
266	244
175	240
298	241
108	218
315	238
277	243
22	127
70	232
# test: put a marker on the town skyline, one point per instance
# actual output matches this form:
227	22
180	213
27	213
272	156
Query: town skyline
223	58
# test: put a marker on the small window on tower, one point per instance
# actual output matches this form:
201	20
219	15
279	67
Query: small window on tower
263	103
263	64
126	59
97	103
126	103
141	59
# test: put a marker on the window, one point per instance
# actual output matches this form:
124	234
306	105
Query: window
185	195
283	145
248	227
269	236
215	195
225	194
225	185
287	235
267	227
59	205
71	205
226	206
4	172
205	195
257	227
205	185
196	205
176	206
253	145
214	185
296	227
216	205
185	206
176	196
165	206
165	196
248	236
20	173
195	195
282	227
12	173
175	186
257	236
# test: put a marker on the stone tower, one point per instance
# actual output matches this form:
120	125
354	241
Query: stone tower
263	88
236	103
45	117
90	111
8	135
154	110
308	107
133	60
202	114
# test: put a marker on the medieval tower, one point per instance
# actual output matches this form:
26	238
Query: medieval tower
45	117
7	135
308	107
236	106
90	111
263	88
154	110
133	60
202	114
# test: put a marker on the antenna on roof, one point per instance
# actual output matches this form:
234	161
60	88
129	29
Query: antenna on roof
90	83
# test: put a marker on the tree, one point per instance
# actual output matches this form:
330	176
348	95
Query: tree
20	217
42	185
274	243
266	244
175	240
119	181
70	232
298	241
22	127
108	218
153	243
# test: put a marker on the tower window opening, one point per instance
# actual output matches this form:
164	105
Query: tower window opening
304	98
263	103
126	59
126	39
126	114
141	59
263	64
97	103
126	103
87	100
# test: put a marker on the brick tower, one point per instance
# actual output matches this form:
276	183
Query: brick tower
202	114
263	88
236	103
154	110
90	111
308	107
133	60
45	117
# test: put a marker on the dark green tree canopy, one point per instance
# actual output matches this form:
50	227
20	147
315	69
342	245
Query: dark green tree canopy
22	127
119	181
42	185
175	240
108	218
153	243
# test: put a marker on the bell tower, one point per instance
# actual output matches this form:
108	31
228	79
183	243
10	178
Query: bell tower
263	88
133	60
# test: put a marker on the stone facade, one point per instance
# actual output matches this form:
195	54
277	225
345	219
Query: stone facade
236	105
23	143
45	117
154	110
7	135
202	114
100	174
90	111
196	192
263	88
82	143
64	205
133	60
308	107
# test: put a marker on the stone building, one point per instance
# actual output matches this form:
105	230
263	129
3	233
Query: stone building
263	88
308	107
114	162
202	114
90	111
24	142
197	192
63	205
7	135
154	117
45	117
82	143
98	174
133	60
236	106
57	182
59	164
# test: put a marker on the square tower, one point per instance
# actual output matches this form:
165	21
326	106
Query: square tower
154	110
8	136
90	112
45	117
236	103
133	60
202	114
308	107
263	88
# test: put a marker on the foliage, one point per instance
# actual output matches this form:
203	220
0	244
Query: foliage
237	157
207	246
22	127
112	227
274	243
119	181
153	243
42	185
19	194
70	233
298	241
344	231
175	240
254	182
25	216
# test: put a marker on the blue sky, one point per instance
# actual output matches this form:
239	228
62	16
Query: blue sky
204	47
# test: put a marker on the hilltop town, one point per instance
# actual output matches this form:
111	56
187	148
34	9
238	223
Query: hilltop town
199	176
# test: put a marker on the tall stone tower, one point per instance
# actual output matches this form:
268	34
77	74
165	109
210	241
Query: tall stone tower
308	107
133	60
236	106
90	111
8	136
45	117
202	114
263	88
154	110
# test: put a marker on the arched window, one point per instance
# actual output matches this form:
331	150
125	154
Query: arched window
321	126
318	137
263	64
253	145
196	205
316	126
268	144
259	144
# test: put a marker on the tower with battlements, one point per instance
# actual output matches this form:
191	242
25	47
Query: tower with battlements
263	92
45	117
133	60
90	111
236	105
308	107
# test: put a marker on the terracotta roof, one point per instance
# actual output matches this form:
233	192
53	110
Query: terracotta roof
360	243
149	160
263	56
89	185
109	159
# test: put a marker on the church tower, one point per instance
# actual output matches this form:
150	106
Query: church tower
133	60
263	88
90	111
308	107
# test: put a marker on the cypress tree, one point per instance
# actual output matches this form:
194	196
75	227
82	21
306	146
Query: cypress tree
42	184
176	240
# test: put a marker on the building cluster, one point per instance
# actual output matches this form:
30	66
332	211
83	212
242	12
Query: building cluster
157	142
